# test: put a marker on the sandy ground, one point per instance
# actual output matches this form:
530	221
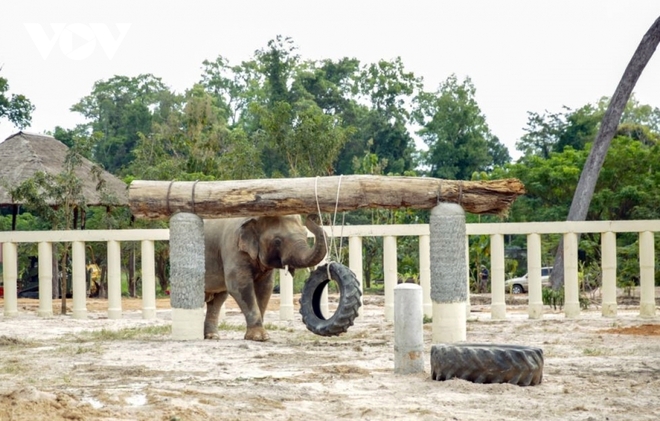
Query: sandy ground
66	369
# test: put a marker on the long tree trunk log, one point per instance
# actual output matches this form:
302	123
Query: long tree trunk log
219	199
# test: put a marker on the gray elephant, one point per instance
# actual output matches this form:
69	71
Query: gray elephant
241	255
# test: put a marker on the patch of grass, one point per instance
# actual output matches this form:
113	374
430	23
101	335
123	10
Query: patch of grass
80	349
10	341
127	334
427	319
230	327
13	366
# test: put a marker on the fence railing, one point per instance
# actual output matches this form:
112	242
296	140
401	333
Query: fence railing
533	231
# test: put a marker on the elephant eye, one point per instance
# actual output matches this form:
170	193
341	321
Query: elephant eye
277	241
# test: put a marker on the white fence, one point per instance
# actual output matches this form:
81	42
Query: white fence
608	230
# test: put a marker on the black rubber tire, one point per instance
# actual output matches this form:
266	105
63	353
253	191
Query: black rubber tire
349	300
484	363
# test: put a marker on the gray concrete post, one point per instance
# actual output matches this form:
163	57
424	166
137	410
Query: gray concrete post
448	273
408	329
187	276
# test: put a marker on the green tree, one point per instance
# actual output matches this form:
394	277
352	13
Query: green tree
15	108
118	110
455	130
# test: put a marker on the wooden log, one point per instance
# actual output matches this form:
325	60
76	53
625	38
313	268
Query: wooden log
283	196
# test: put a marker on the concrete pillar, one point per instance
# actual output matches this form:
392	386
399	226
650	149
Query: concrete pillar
45	279
114	280
535	305
390	274
79	280
186	276
408	329
571	287
448	269
9	278
497	305
646	274
608	266
355	264
149	278
286	295
425	273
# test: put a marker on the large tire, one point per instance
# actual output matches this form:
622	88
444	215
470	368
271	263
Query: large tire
349	300
481	363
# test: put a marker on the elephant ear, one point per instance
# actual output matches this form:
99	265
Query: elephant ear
248	240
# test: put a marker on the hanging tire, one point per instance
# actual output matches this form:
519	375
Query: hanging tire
481	363
349	300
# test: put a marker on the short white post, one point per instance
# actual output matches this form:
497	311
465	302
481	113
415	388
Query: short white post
355	264
608	265
408	329
448	272
535	305
571	288
646	274
9	278
497	305
45	279
114	280
79	281
286	295
186	276
425	273
390	274
149	278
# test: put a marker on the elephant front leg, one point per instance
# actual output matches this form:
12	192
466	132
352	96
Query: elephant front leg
213	305
246	299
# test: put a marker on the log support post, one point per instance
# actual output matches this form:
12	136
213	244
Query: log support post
448	271
187	276
10	278
646	274
498	305
390	273
79	280
114	280
608	262
535	306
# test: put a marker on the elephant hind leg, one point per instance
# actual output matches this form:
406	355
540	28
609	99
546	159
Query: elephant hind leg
213	304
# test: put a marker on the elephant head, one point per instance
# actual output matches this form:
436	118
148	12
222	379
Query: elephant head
279	241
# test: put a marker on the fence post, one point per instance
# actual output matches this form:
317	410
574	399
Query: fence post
390	274
448	272
187	272
608	265
79	280
355	264
45	279
286	295
425	273
149	278
497	305
9	278
571	288
647	274
408	329
535	305
114	280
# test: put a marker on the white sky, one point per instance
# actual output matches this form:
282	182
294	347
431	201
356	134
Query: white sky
521	55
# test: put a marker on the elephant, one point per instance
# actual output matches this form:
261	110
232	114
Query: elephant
240	257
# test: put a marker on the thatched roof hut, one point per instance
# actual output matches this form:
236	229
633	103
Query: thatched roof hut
24	154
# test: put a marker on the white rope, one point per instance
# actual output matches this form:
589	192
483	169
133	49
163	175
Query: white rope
332	246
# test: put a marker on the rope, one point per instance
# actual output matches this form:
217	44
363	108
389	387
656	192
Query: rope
167	198
193	195
331	247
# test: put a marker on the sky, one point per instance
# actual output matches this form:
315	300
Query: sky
522	56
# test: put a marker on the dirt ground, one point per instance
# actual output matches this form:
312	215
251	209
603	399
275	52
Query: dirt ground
129	369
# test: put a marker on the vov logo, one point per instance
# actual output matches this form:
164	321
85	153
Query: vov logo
77	41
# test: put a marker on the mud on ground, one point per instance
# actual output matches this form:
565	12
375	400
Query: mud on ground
130	369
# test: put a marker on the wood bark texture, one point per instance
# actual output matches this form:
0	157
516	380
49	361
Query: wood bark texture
285	196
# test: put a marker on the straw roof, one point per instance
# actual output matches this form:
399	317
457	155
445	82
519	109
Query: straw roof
24	154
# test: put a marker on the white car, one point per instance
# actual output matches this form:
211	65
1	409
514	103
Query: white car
520	285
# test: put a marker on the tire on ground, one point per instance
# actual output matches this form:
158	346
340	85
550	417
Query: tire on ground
488	363
349	300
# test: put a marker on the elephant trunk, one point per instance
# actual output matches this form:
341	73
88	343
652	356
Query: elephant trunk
309	256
